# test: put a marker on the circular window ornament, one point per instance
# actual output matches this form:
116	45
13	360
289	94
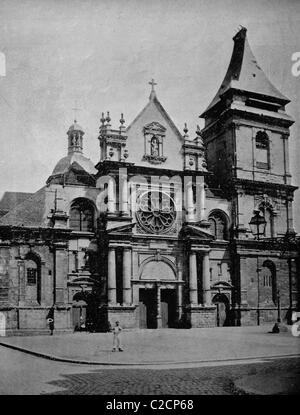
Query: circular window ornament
155	212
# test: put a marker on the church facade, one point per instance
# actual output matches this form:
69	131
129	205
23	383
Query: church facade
157	234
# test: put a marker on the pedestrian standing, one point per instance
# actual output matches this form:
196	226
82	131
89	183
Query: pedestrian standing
50	320
82	324
117	344
51	325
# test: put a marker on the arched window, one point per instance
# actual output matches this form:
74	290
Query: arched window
269	282
82	216
32	278
262	150
218	225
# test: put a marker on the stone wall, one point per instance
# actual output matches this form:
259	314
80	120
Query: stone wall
125	315
198	316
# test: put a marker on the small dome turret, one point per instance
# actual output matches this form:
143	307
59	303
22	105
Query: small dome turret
75	127
75	137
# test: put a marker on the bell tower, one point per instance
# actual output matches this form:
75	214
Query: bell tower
246	138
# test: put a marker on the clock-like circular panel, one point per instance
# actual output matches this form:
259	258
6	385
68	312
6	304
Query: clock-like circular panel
155	211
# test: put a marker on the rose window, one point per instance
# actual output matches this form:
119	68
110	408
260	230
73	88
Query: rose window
156	212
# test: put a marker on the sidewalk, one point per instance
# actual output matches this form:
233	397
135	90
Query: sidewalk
161	347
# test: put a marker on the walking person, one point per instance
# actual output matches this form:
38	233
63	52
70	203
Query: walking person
117	344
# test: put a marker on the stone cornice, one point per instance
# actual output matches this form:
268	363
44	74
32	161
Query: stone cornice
265	245
32	236
254	184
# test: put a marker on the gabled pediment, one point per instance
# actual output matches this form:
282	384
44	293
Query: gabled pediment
196	231
153	138
124	229
154	127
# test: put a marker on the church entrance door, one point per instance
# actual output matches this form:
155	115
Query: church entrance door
168	308
222	310
147	308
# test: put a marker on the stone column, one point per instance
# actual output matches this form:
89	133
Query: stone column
193	278
123	190
22	283
206	279
44	283
289	214
189	199
127	276
111	280
179	301
158	299
111	200
202	200
60	273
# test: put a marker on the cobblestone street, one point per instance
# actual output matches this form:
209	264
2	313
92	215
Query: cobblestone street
250	360
199	381
24	374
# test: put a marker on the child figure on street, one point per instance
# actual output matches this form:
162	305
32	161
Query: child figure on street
117	345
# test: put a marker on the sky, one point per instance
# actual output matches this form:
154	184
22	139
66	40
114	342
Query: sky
99	55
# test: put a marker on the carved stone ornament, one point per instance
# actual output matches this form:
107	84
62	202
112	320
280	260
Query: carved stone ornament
154	134
156	212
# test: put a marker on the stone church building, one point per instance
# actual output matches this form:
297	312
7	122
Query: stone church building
156	233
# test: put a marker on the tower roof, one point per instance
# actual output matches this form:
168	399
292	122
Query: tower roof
75	127
244	74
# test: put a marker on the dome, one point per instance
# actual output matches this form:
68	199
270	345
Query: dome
75	127
64	164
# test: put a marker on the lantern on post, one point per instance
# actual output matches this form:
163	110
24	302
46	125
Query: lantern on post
257	224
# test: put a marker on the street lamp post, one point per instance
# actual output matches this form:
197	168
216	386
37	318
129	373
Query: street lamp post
278	307
257	225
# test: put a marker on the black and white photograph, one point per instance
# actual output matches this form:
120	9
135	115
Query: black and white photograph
149	200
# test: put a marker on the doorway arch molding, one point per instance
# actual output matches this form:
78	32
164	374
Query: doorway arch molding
158	259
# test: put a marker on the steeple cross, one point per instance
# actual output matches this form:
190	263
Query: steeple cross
152	83
75	111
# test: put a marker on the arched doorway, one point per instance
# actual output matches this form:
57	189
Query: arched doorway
83	311
157	298
222	309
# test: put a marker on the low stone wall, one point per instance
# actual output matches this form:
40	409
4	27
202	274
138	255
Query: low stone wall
27	320
126	315
248	316
199	316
